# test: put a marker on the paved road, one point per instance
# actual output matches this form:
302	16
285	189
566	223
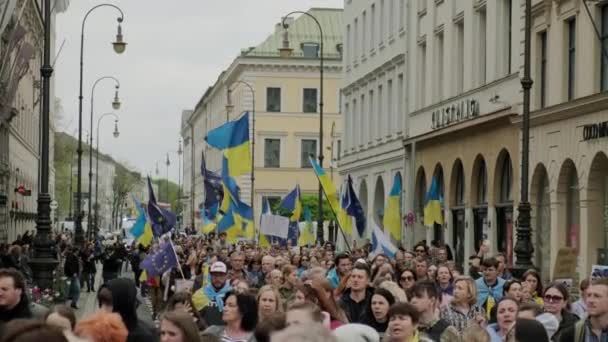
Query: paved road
88	301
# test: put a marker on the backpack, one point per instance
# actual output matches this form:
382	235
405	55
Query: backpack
579	331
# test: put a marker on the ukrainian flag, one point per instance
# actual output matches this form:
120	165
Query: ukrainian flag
233	138
392	211
432	210
327	185
208	224
307	236
293	204
141	229
344	220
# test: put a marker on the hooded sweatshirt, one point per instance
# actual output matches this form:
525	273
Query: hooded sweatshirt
124	296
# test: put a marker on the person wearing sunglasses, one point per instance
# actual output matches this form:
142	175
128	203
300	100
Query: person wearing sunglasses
556	303
421	251
407	279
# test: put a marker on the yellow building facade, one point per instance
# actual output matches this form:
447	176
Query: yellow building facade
286	94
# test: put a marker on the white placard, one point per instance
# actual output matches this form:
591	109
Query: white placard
275	225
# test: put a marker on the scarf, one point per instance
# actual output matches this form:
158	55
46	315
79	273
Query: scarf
217	296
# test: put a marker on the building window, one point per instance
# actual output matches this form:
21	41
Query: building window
356	40
309	100
389	107
459	61
273	99
482	185
339	152
401	14
382	21
422	76
391	16
439	68
272	153
459	186
604	49
571	57
363	33
381	117
400	101
505	37
349	46
505	180
373	123
310	50
363	129
372	28
482	43
308	147
355	137
543	68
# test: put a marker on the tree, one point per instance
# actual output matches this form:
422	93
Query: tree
123	183
312	201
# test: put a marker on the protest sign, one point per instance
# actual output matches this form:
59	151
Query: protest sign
275	225
565	263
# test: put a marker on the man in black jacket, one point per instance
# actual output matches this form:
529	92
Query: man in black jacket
124	296
71	269
13	299
595	327
356	301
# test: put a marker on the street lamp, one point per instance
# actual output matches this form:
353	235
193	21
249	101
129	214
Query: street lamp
116	133
523	246
44	261
116	106
285	52
119	47
229	107
178	208
168	162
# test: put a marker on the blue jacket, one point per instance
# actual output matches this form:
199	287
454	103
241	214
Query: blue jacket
483	290
333	278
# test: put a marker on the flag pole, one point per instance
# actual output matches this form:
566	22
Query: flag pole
179	266
333	211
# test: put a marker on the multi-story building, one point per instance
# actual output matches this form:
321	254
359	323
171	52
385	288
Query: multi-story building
569	131
21	58
374	103
286	97
189	170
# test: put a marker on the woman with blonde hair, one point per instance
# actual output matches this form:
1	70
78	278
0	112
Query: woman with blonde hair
395	290
269	301
463	308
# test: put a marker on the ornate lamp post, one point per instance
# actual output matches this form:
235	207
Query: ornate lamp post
178	208
44	261
285	52
523	247
116	133
119	47
115	105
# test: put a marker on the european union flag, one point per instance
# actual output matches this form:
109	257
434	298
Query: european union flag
212	183
161	261
353	207
161	220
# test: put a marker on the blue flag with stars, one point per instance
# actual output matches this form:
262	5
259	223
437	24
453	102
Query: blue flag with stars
162	261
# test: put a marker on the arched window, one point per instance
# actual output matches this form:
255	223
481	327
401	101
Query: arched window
572	210
506	177
459	199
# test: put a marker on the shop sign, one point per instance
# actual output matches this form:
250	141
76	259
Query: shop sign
454	113
595	131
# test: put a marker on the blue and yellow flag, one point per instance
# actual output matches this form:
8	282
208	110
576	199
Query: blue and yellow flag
307	235
432	209
293	203
392	211
327	185
141	229
233	139
208	224
351	209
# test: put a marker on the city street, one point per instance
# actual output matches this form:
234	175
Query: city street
88	301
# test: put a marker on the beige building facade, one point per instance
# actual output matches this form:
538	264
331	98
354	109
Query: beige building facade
286	93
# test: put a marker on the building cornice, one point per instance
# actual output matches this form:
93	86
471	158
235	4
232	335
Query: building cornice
566	110
386	66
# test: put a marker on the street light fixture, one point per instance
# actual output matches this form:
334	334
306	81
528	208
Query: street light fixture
285	52
116	133
115	104
44	261
119	47
178	208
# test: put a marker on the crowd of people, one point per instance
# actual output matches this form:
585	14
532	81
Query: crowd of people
243	292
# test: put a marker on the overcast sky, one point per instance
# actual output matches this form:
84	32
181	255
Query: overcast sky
176	49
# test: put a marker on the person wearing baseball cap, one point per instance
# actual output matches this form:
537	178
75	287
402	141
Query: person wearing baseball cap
209	300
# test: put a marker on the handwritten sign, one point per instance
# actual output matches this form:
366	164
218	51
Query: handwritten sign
275	225
183	285
565	263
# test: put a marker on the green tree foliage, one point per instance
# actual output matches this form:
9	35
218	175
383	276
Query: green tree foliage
123	183
65	156
312	201
171	196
